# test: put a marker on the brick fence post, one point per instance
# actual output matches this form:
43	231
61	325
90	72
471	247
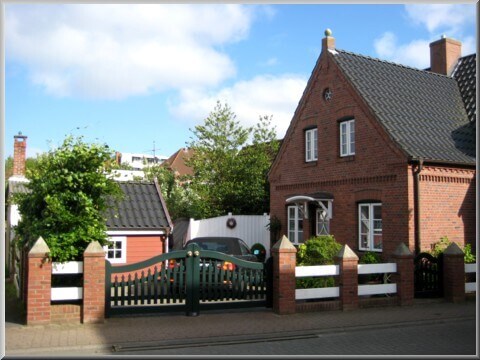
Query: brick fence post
454	274
348	277
39	284
284	262
404	277
93	284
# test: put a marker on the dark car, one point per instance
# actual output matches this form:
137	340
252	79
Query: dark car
227	245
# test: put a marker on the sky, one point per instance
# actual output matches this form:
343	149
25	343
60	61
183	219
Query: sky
139	78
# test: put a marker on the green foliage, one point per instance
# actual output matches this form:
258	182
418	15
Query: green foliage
370	257
320	250
440	246
230	176
67	199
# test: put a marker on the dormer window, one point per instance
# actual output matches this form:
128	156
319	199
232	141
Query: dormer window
347	138
311	147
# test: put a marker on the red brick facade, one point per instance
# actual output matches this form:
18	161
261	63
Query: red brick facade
378	172
93	284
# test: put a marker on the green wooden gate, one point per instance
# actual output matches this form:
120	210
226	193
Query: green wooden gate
186	280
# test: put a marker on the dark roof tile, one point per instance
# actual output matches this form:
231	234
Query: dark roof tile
140	209
422	111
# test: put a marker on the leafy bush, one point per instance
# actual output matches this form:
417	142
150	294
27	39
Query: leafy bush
440	246
320	250
370	257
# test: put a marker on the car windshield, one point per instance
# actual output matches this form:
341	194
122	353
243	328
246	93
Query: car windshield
232	246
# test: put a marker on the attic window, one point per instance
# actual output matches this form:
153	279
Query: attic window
327	94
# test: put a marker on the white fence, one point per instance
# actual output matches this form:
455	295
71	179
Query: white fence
471	286
333	270
250	228
67	293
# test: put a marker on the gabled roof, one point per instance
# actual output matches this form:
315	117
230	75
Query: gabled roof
423	112
176	162
142	208
466	75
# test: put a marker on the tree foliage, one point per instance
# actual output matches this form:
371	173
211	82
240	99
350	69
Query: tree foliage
176	192
67	199
230	175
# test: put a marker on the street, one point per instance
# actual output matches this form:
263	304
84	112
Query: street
442	337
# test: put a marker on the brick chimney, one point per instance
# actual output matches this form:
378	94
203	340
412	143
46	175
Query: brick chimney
444	54
328	42
19	154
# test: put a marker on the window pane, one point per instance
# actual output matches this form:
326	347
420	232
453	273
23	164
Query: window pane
118	245
377	242
364	241
118	254
315	145
377	212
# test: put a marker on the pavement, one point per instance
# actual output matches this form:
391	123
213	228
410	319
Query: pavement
160	331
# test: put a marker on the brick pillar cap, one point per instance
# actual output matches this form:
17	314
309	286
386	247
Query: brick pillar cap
402	250
284	244
94	247
346	253
40	247
453	249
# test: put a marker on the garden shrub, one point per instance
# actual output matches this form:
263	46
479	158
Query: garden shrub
319	250
440	246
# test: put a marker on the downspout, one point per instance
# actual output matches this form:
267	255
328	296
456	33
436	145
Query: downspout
417	207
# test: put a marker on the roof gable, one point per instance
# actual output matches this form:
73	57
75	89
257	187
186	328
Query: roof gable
142	208
423	112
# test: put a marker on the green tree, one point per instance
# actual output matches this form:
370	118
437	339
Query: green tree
175	191
67	199
230	176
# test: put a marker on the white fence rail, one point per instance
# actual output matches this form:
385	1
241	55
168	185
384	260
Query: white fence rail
377	289
314	271
250	228
471	286
67	293
333	270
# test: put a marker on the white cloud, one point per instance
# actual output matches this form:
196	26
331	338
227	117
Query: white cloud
115	51
449	18
262	95
415	53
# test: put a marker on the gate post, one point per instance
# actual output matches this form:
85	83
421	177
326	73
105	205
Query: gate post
348	277
39	284
454	274
93	284
404	278
284	262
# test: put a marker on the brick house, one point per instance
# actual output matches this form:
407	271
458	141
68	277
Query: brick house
379	154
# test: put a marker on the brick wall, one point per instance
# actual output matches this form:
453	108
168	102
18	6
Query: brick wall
448	205
61	313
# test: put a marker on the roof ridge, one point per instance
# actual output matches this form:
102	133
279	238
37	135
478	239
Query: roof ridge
391	63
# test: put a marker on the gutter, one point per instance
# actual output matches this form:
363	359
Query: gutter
417	204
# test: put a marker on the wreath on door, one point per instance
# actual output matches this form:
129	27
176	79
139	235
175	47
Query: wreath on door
231	223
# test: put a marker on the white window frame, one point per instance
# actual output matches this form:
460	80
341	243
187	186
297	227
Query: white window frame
371	230
347	144
123	258
311	145
295	235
